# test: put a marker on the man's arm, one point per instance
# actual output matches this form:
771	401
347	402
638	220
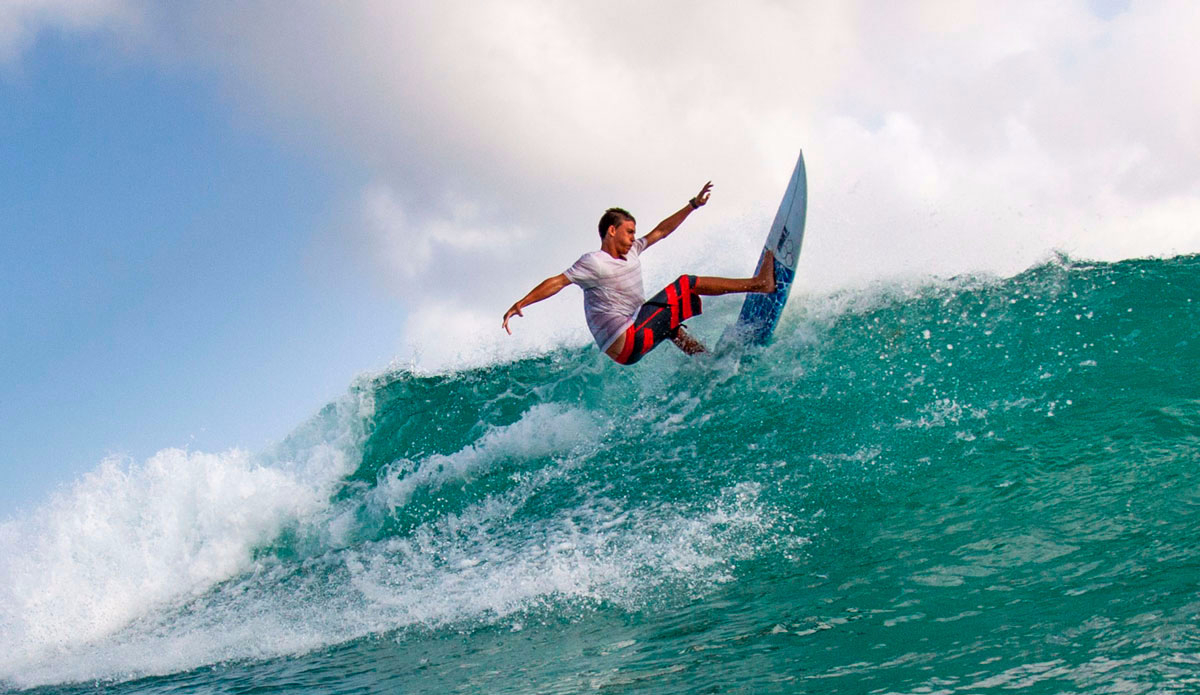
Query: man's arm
671	223
546	289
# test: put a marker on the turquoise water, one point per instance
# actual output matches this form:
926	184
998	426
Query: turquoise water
963	486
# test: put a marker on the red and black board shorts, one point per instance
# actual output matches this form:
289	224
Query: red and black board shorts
660	318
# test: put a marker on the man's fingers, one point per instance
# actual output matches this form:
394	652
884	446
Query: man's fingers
508	315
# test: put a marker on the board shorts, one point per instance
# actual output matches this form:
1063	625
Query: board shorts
660	318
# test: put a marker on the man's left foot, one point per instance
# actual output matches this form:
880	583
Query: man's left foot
684	341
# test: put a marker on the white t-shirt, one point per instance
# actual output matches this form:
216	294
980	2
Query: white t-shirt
612	291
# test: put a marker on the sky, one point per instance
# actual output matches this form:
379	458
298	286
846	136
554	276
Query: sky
213	216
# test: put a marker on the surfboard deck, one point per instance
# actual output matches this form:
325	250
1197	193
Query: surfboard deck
760	312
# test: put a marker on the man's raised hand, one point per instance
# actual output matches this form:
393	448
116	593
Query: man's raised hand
702	197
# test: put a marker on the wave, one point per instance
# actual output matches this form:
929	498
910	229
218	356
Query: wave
563	484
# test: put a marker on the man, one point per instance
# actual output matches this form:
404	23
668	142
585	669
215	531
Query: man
624	327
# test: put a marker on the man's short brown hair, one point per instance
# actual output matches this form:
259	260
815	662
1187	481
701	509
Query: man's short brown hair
613	217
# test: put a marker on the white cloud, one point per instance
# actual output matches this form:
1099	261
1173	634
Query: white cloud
941	136
22	20
398	243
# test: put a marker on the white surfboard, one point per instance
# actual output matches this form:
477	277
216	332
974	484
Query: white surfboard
760	312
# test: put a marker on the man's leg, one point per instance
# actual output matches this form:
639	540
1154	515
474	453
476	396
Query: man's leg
763	281
677	302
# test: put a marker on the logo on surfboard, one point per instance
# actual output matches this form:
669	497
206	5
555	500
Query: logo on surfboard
786	256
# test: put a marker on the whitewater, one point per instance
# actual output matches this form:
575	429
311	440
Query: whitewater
965	485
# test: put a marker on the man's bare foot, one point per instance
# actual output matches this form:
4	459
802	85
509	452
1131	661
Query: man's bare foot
684	341
765	278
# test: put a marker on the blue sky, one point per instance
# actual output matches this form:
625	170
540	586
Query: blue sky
156	271
214	215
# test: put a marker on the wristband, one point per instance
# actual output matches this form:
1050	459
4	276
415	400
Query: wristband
694	204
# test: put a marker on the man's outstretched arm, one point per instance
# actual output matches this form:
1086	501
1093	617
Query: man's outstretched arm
671	223
546	289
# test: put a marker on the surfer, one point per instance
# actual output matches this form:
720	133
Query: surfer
625	326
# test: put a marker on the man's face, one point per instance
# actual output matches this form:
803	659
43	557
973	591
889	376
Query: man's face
624	236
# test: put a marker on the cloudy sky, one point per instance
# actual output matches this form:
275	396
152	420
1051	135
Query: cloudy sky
213	215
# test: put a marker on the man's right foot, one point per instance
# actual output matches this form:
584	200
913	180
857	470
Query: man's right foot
766	273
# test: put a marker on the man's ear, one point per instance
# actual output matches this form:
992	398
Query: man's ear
612	229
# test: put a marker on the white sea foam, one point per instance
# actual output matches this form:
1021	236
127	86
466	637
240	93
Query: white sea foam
151	568
544	430
477	565
130	539
595	552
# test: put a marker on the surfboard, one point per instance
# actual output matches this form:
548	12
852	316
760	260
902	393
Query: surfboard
760	312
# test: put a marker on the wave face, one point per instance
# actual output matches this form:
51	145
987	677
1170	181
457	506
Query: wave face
952	486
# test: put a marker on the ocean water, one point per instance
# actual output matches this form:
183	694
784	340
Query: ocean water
947	486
